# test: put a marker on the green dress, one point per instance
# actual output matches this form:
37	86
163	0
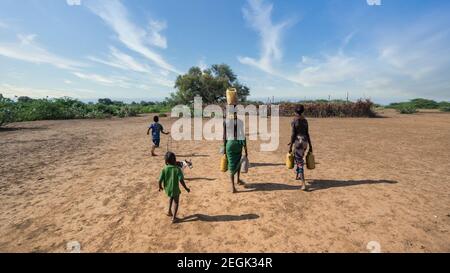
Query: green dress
234	154
171	177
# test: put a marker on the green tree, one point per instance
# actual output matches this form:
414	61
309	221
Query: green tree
6	110
105	101
24	99
210	84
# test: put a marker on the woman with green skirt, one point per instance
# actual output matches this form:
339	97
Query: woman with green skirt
234	141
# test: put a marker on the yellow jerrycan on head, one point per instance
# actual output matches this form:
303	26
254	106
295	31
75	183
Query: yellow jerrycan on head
310	161
232	98
290	161
224	163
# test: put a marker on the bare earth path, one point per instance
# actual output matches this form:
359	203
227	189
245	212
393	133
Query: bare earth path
93	181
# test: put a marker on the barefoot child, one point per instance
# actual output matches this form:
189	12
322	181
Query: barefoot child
171	176
157	129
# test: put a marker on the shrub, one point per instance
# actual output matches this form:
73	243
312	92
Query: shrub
407	110
126	111
445	108
6	110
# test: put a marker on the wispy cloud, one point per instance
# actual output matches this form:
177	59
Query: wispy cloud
124	81
97	78
122	61
115	15
328	70
259	15
155	37
419	52
73	2
27	49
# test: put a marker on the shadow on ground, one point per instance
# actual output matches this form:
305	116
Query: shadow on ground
200	178
218	218
315	185
13	129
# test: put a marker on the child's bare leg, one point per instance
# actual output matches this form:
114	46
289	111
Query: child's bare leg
304	187
169	213
233	188
153	150
177	201
302	178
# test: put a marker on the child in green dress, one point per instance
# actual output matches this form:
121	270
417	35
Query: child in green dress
170	178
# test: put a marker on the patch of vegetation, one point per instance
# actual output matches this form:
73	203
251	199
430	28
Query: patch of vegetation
6	110
28	109
407	107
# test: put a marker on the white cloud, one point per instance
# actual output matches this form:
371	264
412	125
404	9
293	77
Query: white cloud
330	70
27	49
154	35
142	82
122	61
73	2
415	54
98	78
115	15
259	16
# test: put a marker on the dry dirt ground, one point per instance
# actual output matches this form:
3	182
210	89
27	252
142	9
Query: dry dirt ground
93	181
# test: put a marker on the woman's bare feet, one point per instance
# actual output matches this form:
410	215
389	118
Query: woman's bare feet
234	190
169	214
240	182
175	220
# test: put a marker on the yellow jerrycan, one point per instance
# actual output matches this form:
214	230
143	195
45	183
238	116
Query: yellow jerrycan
310	161
224	163
232	98
290	161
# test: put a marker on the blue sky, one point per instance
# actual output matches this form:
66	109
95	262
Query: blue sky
134	49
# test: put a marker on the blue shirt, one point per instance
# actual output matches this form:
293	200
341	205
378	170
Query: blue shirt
156	130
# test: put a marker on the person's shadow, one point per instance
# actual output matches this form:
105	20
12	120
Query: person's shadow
318	184
315	185
200	178
218	218
254	165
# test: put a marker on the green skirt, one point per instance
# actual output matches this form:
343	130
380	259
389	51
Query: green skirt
234	154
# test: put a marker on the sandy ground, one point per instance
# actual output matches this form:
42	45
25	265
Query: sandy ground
93	181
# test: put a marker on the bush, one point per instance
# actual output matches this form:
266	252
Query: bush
126	111
418	104
425	104
6	110
445	108
407	110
